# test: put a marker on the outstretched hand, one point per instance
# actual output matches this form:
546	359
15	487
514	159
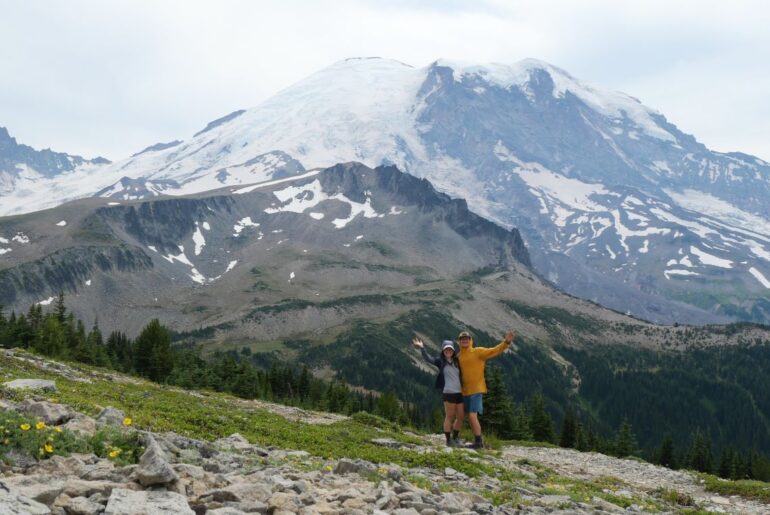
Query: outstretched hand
509	336
417	343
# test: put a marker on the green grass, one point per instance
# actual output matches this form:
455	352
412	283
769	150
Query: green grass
749	489
209	415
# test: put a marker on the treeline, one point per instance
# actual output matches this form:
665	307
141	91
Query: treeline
59	335
531	421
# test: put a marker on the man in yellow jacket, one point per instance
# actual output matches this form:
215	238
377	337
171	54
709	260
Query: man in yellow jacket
472	361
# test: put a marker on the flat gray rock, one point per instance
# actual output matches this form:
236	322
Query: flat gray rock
31	384
130	502
14	503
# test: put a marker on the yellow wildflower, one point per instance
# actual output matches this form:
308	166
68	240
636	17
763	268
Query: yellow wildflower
25	427
48	448
329	467
57	429
40	425
127	421
114	453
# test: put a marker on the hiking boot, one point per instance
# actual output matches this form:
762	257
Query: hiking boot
455	442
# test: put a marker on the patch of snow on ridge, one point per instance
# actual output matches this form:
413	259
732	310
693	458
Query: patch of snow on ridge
4	251
709	259
667	273
62	223
242	224
198	239
231	265
249	189
301	198
759	276
316	216
3	240
20	238
46	301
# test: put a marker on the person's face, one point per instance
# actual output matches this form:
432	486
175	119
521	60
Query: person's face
464	342
448	353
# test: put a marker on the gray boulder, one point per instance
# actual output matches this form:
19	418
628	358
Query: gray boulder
346	466
31	384
48	412
110	416
129	502
154	468
13	503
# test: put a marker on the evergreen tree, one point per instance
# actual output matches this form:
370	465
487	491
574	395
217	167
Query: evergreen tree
699	457
520	429
625	441
304	384
569	430
388	406
666	454
152	352
59	310
498	406
540	423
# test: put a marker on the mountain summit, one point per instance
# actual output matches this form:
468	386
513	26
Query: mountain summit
616	204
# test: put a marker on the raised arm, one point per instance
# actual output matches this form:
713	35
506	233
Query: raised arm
491	352
436	362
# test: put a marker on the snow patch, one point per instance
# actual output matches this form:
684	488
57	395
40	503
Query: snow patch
709	259
62	223
198	239
46	301
242	224
316	216
759	276
88	282
20	238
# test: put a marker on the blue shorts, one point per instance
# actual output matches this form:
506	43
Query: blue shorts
473	404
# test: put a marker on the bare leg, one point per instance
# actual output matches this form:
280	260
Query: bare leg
459	414
473	418
449	410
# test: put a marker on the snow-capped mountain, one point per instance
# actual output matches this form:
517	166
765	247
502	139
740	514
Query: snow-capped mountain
23	170
616	204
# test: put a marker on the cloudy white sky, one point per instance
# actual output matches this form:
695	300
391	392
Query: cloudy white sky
109	78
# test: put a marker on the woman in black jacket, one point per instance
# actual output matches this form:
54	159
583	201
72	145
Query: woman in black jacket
450	384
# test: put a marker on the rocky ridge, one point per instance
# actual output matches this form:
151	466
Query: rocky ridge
231	475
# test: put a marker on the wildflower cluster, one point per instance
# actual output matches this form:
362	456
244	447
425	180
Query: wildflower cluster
34	436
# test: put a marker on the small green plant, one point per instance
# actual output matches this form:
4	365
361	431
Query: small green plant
35	437
119	445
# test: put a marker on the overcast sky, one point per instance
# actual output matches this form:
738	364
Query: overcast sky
109	78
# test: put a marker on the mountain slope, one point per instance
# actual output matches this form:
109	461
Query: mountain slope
616	204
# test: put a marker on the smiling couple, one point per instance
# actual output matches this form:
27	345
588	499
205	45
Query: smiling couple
461	381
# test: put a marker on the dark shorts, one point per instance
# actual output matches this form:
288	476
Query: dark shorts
453	398
473	404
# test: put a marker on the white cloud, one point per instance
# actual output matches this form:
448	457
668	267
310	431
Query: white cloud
110	78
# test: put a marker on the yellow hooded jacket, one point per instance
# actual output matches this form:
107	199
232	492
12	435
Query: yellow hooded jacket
472	360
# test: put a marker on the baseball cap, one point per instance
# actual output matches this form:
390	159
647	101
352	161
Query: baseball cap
464	334
447	344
